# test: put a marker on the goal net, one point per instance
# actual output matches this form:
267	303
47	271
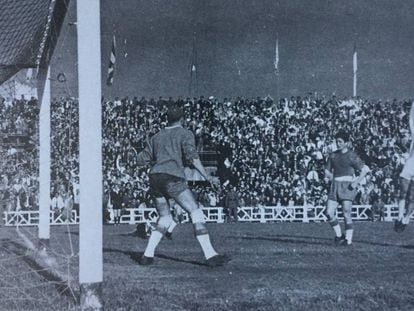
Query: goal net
29	32
32	278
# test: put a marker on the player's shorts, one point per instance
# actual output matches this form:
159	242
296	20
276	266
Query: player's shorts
165	185
341	191
408	170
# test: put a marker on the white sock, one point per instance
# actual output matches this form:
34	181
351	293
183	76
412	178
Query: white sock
348	235
153	242
337	229
206	246
172	226
408	213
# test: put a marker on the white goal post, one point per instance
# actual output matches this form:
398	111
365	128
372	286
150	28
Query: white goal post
90	154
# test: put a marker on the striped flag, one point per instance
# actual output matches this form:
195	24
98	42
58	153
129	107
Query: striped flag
355	60
111	67
276	63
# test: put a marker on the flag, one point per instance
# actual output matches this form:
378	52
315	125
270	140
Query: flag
355	60
276	63
111	67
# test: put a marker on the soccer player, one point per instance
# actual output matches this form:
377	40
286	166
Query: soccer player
67	203
167	151
340	170
406	198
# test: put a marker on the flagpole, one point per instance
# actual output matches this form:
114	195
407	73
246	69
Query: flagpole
277	88
355	70
193	70
44	164
355	85
276	64
196	70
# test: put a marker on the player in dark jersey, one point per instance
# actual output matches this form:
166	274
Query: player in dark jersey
167	152
340	170
406	199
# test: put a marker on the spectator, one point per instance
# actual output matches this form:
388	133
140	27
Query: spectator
377	209
57	204
231	204
117	203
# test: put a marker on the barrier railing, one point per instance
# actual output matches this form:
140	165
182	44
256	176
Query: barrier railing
31	218
260	214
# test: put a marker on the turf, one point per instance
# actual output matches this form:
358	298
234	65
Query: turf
275	266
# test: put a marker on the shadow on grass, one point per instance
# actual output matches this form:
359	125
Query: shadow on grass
135	256
408	246
60	285
134	234
283	239
310	240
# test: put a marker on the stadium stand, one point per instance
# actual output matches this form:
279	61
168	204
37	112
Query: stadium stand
274	153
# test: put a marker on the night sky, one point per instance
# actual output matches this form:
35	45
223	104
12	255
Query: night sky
235	45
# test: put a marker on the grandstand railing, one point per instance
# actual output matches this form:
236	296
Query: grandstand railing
261	214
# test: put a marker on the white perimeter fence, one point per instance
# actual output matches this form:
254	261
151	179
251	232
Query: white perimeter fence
261	214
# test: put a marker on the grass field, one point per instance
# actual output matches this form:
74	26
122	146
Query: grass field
278	266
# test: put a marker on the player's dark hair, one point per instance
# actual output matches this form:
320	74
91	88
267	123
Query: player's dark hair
343	135
174	114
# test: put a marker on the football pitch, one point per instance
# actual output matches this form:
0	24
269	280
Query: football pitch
274	266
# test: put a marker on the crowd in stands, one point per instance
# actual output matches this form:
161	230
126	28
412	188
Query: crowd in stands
274	153
19	155
271	152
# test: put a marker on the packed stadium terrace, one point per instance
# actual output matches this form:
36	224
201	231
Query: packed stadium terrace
273	153
19	155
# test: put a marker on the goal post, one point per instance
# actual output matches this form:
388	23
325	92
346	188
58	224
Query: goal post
90	155
44	164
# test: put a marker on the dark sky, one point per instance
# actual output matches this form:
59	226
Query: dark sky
235	45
